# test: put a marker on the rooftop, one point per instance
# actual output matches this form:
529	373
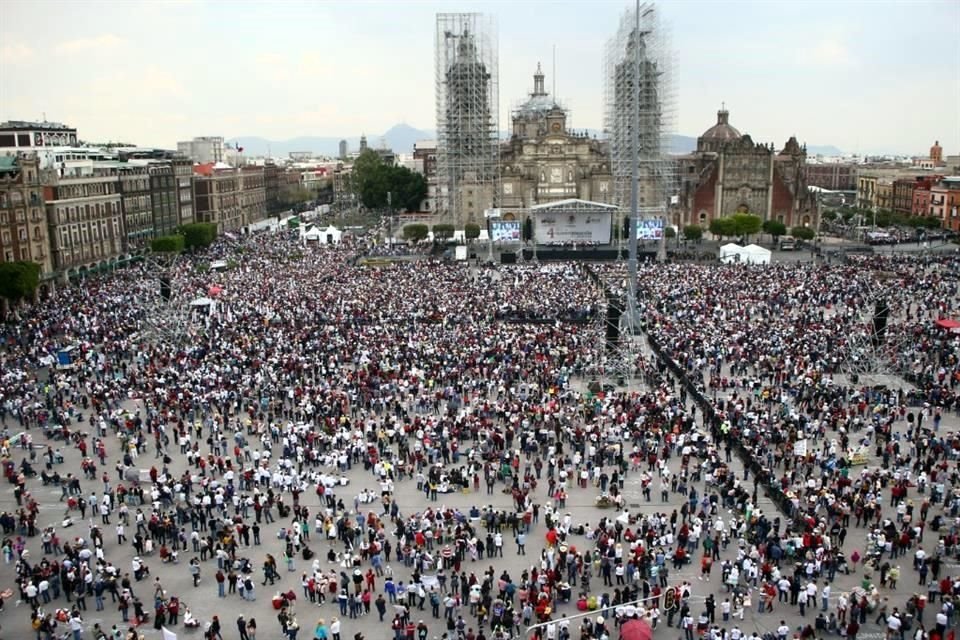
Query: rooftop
24	124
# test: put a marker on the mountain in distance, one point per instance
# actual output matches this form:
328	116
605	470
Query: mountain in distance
401	138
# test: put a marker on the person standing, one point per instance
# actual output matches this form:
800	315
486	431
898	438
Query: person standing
242	628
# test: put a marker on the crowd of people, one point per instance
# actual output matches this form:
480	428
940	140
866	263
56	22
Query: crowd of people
230	452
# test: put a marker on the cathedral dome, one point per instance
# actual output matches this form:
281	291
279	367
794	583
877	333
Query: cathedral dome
722	131
537	105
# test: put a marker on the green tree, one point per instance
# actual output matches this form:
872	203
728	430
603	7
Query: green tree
669	232
409	188
528	229
167	244
367	178
198	235
775	228
746	224
722	227
829	216
442	232
471	231
373	180
802	233
693	232
415	232
19	280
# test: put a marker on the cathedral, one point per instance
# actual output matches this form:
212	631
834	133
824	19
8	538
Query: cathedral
730	173
544	162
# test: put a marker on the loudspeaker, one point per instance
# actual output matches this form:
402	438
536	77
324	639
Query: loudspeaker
165	287
881	313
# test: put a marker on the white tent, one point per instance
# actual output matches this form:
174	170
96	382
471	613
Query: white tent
730	253
755	254
330	235
311	235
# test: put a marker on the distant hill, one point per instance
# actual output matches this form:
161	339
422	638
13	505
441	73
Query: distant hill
401	138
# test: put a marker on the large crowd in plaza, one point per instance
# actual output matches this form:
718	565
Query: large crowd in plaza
229	453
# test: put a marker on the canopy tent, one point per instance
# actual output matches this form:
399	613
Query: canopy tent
755	254
331	235
311	235
730	253
948	324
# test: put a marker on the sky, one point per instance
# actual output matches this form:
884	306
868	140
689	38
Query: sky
867	77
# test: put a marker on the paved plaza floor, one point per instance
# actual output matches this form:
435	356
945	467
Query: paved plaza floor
203	600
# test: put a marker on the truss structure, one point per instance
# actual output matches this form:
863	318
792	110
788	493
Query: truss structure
639	112
872	355
467	103
167	310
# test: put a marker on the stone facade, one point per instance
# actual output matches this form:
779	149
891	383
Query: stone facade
23	222
730	173
545	162
85	217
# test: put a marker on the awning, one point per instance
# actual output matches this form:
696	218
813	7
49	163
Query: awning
947	323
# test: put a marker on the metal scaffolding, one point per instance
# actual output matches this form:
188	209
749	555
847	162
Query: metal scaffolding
468	159
639	115
167	311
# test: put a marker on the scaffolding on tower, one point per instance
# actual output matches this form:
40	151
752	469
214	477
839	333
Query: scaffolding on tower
467	103
638	119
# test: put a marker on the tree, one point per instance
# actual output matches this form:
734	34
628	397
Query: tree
167	244
471	231
366	178
443	232
373	180
409	188
528	229
829	216
803	233
198	235
415	232
693	232
775	228
669	232
746	224
19	280
722	227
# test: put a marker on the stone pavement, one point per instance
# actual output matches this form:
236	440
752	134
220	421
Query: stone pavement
204	603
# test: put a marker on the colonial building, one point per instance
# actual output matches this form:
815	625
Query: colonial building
23	221
216	200
835	176
85	216
545	162
137	207
231	198
730	173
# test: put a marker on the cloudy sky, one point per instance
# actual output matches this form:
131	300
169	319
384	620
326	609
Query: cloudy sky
868	76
